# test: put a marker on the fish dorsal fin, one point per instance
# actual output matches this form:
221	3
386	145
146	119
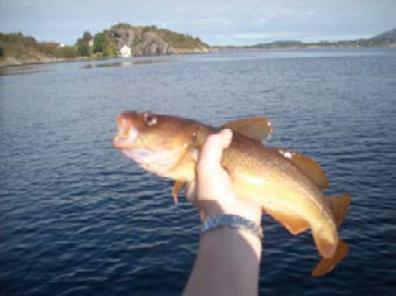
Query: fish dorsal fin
340	205
293	223
310	167
258	127
327	264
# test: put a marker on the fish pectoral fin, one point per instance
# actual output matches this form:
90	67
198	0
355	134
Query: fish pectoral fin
294	224
327	264
258	128
176	189
309	166
340	206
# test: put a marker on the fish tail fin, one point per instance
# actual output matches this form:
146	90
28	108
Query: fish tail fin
327	264
340	206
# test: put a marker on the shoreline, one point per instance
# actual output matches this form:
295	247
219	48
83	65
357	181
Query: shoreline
13	63
10	62
222	48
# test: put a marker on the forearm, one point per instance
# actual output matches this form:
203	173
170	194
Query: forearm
227	264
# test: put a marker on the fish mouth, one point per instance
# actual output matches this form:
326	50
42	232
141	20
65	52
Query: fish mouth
156	161
126	136
125	140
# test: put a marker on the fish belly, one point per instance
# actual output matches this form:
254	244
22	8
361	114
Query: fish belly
295	207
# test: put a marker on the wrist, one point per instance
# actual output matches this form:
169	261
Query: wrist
243	209
231	237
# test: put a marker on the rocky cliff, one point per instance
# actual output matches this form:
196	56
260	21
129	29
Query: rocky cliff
151	41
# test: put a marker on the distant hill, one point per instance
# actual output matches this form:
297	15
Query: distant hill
18	49
386	39
280	44
388	36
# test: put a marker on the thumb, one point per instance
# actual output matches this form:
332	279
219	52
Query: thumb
212	149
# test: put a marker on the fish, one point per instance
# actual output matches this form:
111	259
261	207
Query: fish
286	184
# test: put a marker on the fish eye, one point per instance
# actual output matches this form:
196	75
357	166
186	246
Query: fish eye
149	119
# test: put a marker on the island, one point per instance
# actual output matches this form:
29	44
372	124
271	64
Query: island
122	40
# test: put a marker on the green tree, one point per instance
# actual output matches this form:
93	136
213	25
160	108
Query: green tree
84	39
104	45
110	52
83	50
82	45
101	42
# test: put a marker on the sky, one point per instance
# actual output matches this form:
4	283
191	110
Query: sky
217	22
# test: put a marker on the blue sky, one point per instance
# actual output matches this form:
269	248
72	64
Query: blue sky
217	22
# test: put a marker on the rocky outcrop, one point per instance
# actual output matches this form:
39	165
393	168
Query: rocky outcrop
152	41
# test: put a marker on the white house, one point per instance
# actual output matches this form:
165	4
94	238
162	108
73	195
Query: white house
125	51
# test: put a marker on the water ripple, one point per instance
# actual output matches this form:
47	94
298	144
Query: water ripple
78	218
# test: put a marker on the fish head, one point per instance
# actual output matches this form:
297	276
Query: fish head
155	142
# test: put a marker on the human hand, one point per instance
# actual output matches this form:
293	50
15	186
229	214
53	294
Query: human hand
212	193
228	260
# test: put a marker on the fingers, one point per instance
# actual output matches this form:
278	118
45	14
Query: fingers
212	150
209	167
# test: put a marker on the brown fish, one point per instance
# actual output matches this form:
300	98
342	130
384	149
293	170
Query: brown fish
287	185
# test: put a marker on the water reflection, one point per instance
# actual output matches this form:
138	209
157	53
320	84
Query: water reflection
22	70
126	63
77	215
226	56
47	67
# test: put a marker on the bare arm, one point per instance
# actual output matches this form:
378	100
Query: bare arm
228	259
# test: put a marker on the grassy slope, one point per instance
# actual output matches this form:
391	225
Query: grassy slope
26	49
